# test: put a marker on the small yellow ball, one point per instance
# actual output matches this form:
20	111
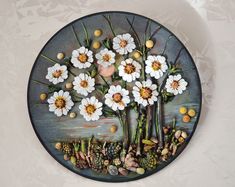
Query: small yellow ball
183	110
186	118
96	45
60	56
68	85
58	146
72	115
136	55
192	112
43	96
113	128
98	32
149	44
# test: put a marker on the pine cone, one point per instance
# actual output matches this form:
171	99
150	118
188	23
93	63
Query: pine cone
67	148
149	162
113	150
97	160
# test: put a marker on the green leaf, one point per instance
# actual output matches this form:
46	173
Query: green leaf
107	43
108	112
52	88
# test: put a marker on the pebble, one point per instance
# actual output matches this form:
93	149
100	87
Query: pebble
140	171
149	44
186	118
112	170
72	114
58	146
177	134
184	135
69	85
191	112
165	151
43	96
123	171
60	56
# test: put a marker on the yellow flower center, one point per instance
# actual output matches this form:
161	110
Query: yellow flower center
117	97
60	102
145	93
129	68
90	109
57	73
175	84
82	58
106	58
156	65
84	84
123	43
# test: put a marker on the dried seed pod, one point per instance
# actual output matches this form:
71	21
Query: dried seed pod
184	135
165	151
177	134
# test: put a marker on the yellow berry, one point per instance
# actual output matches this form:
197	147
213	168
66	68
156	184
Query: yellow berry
68	85
60	56
72	115
43	96
149	44
183	110
186	118
97	32
113	128
181	139
96	45
191	112
136	55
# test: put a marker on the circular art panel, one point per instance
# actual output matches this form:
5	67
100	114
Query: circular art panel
114	96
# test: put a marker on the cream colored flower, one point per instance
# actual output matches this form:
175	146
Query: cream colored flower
117	98
175	84
82	58
129	70
60	103
84	84
145	93
156	66
57	73
90	108
123	44
105	57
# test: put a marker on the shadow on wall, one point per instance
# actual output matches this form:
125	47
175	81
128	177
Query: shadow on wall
186	23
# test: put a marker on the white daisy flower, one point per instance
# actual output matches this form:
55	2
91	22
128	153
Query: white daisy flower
156	66
117	98
175	84
84	84
60	103
91	109
123	44
105	57
82	58
145	93
57	73
129	70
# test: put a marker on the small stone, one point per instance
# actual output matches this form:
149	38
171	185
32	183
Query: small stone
69	85
132	169
155	140
184	135
183	110
177	134
113	128
58	146
98	32
106	162
140	171
186	118
66	157
96	45
191	112
112	170
123	171
60	56
149	44
136	54
43	96
72	114
165	151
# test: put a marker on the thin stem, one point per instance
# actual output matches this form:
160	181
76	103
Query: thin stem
76	36
155	32
72	73
178	55
108	19
39	82
86	34
135	33
168	39
49	59
104	79
132	22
